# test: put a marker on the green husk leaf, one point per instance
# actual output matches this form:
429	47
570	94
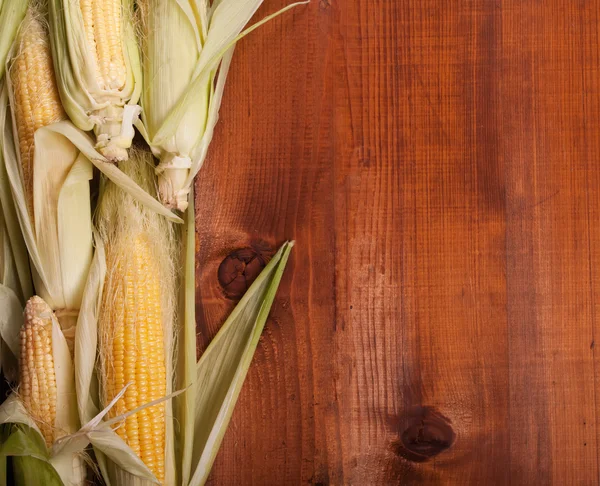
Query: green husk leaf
223	367
29	470
26	451
24	441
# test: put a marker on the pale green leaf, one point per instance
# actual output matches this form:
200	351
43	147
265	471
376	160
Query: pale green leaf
62	212
67	419
12	13
115	449
86	337
222	43
11	319
201	151
187	355
12	411
223	367
23	286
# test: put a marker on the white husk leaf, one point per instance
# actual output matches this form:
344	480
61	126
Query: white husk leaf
86	338
66	403
84	143
70	467
223	367
110	111
59	269
13	412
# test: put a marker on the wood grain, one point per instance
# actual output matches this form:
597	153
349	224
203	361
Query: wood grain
437	163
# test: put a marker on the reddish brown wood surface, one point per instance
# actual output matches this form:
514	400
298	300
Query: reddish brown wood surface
438	164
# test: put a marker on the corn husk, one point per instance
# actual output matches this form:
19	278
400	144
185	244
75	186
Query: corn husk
23	447
117	229
187	47
222	369
12	13
15	280
107	110
69	466
212	384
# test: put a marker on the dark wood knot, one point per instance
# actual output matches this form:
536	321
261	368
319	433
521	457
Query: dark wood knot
426	434
241	267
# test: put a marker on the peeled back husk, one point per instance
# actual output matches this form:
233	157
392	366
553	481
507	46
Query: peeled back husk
98	94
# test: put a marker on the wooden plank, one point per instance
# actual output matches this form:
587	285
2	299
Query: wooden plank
270	178
421	242
549	263
437	164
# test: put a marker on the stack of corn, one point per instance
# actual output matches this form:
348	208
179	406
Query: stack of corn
35	104
96	342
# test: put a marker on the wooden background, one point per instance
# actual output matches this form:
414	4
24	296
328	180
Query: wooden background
438	164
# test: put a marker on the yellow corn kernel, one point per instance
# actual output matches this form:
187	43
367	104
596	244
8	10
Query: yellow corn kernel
134	350
102	20
36	97
36	367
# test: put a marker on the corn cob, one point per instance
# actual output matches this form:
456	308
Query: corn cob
37	102
98	69
134	351
36	367
103	26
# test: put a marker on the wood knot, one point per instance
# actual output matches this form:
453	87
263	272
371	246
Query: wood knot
426	434
241	267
